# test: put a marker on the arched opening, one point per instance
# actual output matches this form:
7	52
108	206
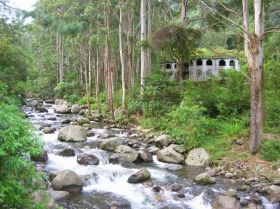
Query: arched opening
209	62
222	63
186	65
168	66
199	62
232	63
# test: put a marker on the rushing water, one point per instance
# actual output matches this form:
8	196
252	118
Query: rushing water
106	183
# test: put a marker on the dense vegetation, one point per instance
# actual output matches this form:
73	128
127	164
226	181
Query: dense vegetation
92	52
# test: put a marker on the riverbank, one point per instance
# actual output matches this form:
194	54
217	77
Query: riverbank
122	151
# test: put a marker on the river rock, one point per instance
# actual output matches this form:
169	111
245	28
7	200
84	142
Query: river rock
87	159
176	187
231	193
72	133
49	130
62	109
178	148
116	158
110	144
169	155
197	157
82	121
127	152
75	109
41	109
33	103
162	141
204	179
273	193
67	152
66	121
82	112
69	181
60	102
50	101
174	167
225	202
42	157
153	150
42	196
144	156
139	176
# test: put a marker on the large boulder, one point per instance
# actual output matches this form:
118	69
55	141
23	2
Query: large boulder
69	181
197	157
62	109
127	152
139	176
204	179
75	109
87	159
110	144
72	133
169	155
116	158
225	202
273	192
33	103
58	195
61	102
162	141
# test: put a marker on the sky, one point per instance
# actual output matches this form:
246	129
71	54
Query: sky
23	4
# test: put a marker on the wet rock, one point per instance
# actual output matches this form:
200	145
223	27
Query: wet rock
72	133
87	159
82	112
82	121
169	155
273	193
67	152
178	148
52	118
41	109
204	179
157	188
256	199
69	181
44	126
116	158
90	134
49	130
162	141
197	157
42	196
33	103
75	109
276	182
253	206
153	150
110	144
42	158
66	121
58	195
139	177
229	175
225	202
144	156
180	194
95	117
127	152
176	187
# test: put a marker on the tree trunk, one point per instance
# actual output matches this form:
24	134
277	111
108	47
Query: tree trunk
255	59
107	67
149	54
143	14
122	58
183	13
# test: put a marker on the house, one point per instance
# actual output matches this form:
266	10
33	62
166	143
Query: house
203	67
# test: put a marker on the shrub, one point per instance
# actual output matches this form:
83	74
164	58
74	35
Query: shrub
17	172
271	150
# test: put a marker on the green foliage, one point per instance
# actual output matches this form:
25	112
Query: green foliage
17	172
271	150
159	95
65	89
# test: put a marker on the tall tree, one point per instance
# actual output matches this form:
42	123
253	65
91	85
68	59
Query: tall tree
255	59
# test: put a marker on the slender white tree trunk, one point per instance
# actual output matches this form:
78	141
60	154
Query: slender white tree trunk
143	14
255	59
122	58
